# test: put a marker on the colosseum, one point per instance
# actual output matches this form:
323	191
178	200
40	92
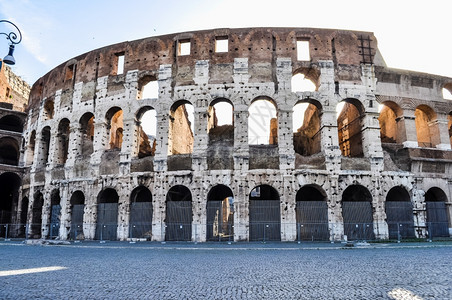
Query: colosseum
251	134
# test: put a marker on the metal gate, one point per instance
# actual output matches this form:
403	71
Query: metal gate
107	221
265	220
358	220
438	225
399	216
77	222
140	225
312	220
54	221
178	221
219	221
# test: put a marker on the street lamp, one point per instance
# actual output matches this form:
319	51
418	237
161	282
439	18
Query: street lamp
14	39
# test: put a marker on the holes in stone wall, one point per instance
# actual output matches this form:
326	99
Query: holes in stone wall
262	123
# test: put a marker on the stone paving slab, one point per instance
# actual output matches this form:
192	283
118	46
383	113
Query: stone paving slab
119	270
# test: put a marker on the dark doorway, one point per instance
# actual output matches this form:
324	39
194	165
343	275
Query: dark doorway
357	213
178	214
265	214
55	213
36	221
77	211
220	214
107	215
399	214
140	225
312	214
437	220
9	197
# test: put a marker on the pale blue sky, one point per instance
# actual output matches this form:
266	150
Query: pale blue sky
412	35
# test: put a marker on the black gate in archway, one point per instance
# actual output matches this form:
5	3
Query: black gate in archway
77	211
107	215
178	214
311	215
55	213
399	214
265	214
140	224
437	220
357	213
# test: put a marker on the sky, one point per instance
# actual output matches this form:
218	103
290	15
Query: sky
412	35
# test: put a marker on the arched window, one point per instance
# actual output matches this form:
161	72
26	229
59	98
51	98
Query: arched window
265	214
262	123
447	91
426	129
45	147
220	214
220	124
300	83
107	215
349	126
390	128
148	88
357	213
87	134
11	123
180	140
48	110
140	224
306	127
146	128
178	214
9	151
36	221
114	118
63	141
312	214
399	213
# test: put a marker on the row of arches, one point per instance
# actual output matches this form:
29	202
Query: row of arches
262	128
264	212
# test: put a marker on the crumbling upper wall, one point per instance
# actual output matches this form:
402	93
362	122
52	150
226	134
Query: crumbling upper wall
262	46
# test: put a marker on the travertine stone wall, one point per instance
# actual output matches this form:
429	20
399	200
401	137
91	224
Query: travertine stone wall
259	64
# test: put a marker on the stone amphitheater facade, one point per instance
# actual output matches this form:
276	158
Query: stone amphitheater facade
379	169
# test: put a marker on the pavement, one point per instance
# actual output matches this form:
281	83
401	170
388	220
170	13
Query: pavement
151	270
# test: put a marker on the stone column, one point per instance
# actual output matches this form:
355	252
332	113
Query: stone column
335	219
288	210
285	138
65	217
159	208
241	148
407	122
123	213
75	144
200	136
241	207
439	130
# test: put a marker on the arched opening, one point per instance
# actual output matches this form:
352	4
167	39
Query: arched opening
114	118
437	219
306	127
390	128
55	213
357	213
140	224
45	147
24	211
178	214
447	91
265	214
449	126
148	88
48	110
220	214
262	123
9	199
180	139
87	134
36	221
62	141
220	125
107	215
399	213
426	127
146	128
31	148
312	214
77	202
349	125
9	151
300	83
11	123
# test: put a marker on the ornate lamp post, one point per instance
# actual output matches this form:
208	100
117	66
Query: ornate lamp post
14	39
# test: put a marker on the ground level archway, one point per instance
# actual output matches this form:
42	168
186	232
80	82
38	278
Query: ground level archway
357	213
178	214
437	220
140	223
265	214
220	214
399	213
107	215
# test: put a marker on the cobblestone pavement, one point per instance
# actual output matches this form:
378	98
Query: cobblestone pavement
238	271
